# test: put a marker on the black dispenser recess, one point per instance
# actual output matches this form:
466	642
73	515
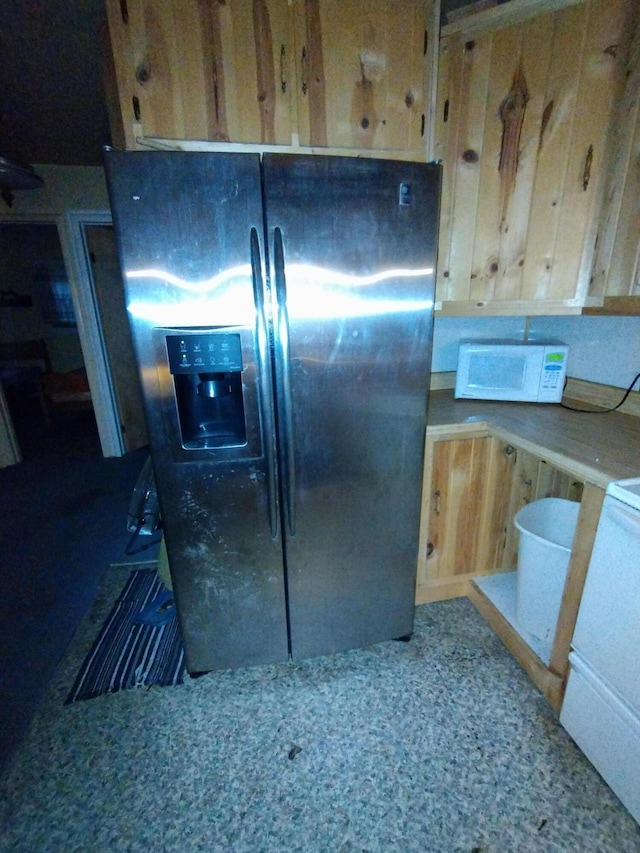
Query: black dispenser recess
207	374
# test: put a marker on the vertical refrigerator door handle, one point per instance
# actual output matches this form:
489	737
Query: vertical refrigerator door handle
268	425
284	380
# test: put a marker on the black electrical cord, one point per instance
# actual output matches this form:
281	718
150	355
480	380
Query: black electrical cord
604	411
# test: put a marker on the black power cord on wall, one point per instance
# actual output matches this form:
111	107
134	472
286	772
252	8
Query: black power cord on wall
603	411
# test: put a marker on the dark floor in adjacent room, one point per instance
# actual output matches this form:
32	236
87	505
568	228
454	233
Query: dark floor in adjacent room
63	513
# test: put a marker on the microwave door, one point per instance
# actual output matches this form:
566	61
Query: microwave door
505	374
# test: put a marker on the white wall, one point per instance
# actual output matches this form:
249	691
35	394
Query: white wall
65	188
602	349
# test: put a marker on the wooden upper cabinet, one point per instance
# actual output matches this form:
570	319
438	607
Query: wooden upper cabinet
308	72
523	114
203	69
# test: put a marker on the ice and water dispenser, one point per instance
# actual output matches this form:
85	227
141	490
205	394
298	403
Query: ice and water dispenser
207	373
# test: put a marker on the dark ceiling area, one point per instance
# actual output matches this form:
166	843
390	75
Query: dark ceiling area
52	101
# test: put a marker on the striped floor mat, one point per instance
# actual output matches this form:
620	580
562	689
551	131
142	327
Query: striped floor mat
129	654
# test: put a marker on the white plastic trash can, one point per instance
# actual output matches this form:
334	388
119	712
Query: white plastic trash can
547	528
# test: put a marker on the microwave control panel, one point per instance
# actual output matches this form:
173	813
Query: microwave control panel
554	367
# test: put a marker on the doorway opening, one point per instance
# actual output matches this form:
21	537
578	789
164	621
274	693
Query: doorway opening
42	367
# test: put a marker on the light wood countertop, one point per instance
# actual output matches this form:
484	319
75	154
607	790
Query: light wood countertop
598	447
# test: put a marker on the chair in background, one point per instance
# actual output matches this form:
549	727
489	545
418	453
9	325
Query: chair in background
26	366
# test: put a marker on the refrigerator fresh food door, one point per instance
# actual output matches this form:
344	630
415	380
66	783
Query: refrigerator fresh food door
190	233
352	250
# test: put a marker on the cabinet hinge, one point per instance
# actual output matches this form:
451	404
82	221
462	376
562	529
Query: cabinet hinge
283	76
588	162
303	70
136	107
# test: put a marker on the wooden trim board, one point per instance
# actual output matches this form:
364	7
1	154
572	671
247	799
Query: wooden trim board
441	589
162	144
504	15
590	507
615	306
549	683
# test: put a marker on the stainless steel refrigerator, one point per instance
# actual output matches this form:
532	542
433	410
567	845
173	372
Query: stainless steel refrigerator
282	309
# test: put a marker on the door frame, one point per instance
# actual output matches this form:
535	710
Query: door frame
78	262
75	253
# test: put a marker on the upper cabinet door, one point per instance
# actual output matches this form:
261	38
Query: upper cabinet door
615	281
252	51
363	73
203	69
523	115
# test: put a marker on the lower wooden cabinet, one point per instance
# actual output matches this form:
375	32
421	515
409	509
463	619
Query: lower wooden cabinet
473	489
474	485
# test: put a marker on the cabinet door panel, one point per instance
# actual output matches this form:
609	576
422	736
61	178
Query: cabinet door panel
554	155
255	54
454	520
465	505
201	69
601	81
155	77
522	123
495	506
362	73
616	268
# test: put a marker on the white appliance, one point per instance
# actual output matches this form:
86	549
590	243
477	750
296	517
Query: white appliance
601	709
521	371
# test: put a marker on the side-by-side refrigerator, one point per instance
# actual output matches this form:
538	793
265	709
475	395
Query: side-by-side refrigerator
281	308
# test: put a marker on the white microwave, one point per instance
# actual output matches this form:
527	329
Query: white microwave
523	371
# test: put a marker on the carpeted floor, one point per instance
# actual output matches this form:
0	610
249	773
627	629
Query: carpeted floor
63	513
438	745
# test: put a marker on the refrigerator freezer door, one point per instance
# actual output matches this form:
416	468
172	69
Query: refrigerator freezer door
352	255
190	233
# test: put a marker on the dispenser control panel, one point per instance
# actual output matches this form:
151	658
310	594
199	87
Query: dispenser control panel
204	353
